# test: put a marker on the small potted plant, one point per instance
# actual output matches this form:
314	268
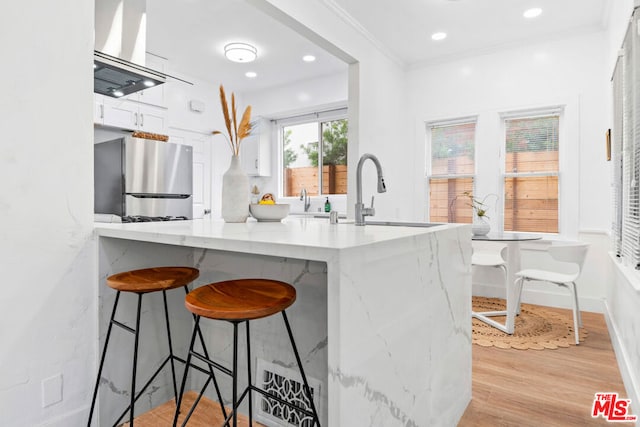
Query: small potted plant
480	225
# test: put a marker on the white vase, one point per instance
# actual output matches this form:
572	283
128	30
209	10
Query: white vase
480	226
235	193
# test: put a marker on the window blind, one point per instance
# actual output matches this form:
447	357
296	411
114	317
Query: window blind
630	148
452	170
616	155
531	173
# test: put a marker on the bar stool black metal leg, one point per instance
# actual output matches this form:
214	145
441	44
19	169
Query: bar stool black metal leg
186	371
135	361
246	322
307	389
206	354
234	378
104	353
171	356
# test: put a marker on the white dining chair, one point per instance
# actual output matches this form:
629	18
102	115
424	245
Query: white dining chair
490	254
571	253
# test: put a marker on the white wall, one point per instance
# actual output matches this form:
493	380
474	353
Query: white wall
377	111
47	301
300	97
567	72
623	283
570	72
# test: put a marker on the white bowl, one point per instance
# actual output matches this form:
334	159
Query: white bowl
269	213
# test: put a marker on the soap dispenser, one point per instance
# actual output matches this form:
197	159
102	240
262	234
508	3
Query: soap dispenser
327	205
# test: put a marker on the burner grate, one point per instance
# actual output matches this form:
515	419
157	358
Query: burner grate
143	218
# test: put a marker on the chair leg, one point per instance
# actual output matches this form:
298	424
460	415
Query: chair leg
249	373
575	296
135	361
186	371
576	330
206	355
519	285
234	378
102	358
307	389
171	356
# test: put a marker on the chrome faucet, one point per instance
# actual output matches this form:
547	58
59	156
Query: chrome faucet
361	211
306	198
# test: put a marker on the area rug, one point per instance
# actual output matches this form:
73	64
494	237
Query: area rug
536	328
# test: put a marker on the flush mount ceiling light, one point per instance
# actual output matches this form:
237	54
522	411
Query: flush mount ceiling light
438	36
240	52
308	58
251	74
532	13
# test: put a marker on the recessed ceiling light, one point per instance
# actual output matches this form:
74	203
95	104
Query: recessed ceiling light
532	13
308	58
240	52
251	74
439	36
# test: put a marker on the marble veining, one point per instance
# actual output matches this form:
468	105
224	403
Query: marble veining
381	319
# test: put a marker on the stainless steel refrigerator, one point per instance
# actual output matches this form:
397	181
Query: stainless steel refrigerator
143	178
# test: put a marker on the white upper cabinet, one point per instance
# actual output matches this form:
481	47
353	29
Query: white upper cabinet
144	111
130	115
153	95
255	154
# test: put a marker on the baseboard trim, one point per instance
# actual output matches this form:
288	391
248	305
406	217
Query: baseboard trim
547	299
629	378
73	418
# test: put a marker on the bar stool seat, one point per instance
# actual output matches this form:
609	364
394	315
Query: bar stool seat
246	299
239	301
140	282
153	279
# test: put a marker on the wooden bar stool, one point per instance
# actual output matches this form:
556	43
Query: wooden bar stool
141	282
239	301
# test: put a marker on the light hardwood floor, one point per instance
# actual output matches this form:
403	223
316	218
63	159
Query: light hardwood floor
544	388
510	387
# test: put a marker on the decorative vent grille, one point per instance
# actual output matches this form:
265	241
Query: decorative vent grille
286	384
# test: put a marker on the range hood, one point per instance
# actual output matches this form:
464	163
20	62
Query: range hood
120	42
116	77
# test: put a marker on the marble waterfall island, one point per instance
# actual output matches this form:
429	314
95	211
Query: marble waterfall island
382	318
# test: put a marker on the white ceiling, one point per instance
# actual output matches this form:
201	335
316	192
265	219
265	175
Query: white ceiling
192	33
404	27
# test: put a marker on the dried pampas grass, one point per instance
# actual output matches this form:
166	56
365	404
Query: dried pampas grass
237	132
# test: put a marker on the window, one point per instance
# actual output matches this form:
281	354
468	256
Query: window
452	171
626	151
314	154
531	173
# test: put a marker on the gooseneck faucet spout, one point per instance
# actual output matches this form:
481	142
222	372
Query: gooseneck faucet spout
306	199
361	211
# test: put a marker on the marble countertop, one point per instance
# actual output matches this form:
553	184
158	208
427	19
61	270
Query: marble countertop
316	237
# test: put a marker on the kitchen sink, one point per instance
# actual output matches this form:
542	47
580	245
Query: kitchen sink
404	224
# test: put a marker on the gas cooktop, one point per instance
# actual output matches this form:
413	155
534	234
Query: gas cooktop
142	218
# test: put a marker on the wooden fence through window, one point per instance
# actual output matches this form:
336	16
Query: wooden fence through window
334	180
530	203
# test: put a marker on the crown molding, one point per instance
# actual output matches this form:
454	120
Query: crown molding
355	24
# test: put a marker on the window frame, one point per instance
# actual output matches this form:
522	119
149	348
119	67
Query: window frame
429	126
554	110
319	117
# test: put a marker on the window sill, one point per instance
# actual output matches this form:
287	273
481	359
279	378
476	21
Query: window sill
632	276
